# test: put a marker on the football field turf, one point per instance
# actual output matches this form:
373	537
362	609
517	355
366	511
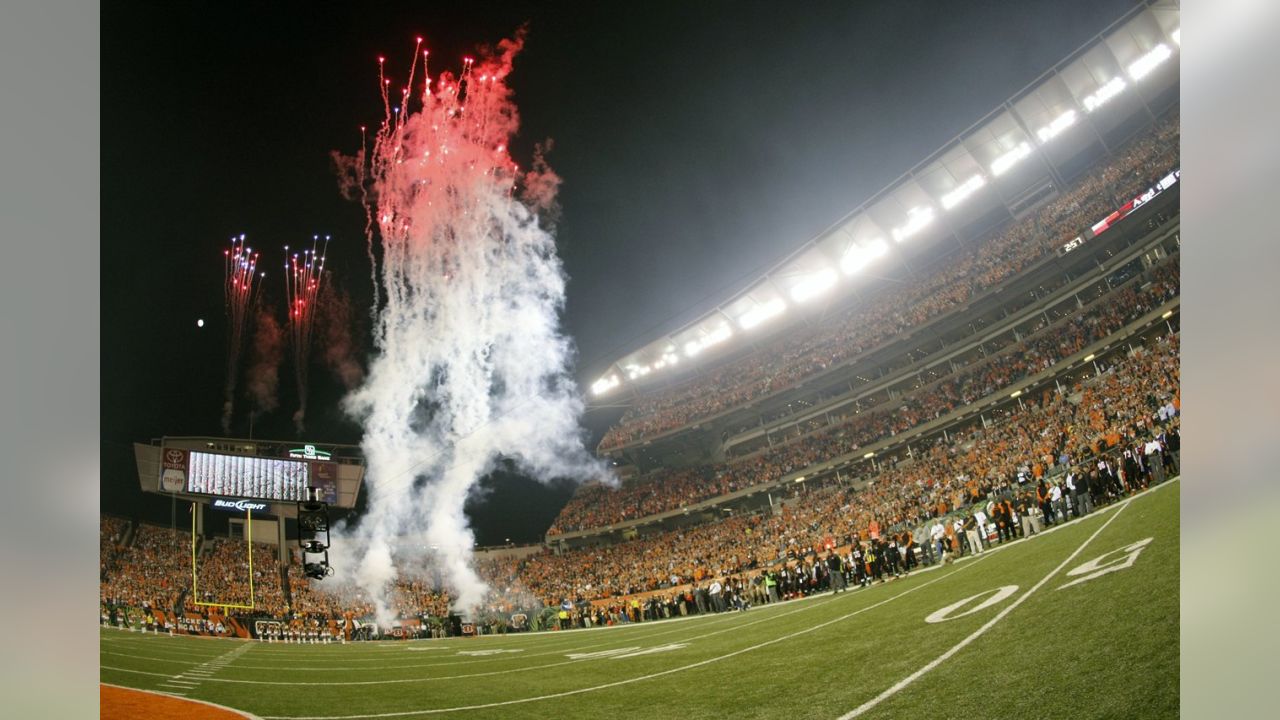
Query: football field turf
1078	622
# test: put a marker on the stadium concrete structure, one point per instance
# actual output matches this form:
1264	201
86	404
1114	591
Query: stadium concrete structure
1022	155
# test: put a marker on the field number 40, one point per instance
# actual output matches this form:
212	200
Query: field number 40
1117	559
1109	562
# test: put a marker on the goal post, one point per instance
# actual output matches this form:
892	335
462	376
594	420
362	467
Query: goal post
195	588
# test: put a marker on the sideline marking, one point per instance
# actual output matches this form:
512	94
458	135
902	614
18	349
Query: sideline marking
628	681
792	609
903	683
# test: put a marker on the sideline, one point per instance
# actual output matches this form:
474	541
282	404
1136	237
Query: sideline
628	681
903	683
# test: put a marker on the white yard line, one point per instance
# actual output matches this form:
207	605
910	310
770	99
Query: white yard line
903	683
628	681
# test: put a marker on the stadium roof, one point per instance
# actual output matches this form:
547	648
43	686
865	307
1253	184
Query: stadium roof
999	167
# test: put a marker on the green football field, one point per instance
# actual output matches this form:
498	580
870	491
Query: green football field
1078	622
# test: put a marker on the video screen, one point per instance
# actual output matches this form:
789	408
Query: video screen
247	477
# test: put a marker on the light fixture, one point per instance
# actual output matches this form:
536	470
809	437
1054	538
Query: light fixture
1002	164
1056	126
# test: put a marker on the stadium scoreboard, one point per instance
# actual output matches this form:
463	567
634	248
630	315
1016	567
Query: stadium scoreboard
208	469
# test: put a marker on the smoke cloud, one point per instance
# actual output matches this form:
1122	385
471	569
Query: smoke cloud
470	365
263	377
338	332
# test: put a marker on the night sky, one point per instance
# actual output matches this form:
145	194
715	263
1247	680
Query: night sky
698	144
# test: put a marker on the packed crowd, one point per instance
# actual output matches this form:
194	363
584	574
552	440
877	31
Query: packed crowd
1095	439
152	572
111	532
800	354
854	427
223	576
1107	419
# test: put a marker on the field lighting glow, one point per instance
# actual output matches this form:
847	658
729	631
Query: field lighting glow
761	312
859	256
1139	68
1056	126
1002	164
813	285
604	385
917	219
715	337
963	191
1109	89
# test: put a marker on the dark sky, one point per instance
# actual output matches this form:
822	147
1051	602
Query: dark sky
698	143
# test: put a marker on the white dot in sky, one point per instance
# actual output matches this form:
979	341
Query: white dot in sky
200	322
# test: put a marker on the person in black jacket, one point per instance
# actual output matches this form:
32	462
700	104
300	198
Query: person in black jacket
1084	494
835	570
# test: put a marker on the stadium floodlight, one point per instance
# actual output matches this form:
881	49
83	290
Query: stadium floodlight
604	385
761	312
859	256
1141	67
963	191
719	335
638	371
1109	89
917	219
813	285
1002	164
1056	126
668	359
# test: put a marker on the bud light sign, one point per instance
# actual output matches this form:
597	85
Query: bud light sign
238	505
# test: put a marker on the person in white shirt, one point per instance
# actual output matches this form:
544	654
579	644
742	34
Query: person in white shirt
1155	460
717	595
936	534
1055	501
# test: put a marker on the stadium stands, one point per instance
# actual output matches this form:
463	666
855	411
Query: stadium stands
1105	416
598	506
1093	423
780	364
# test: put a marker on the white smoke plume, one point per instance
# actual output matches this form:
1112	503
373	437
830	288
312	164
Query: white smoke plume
470	363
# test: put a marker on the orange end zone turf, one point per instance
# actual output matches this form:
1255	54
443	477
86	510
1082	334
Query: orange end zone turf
119	703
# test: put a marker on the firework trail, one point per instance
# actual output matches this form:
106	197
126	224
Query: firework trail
303	276
471	366
239	292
